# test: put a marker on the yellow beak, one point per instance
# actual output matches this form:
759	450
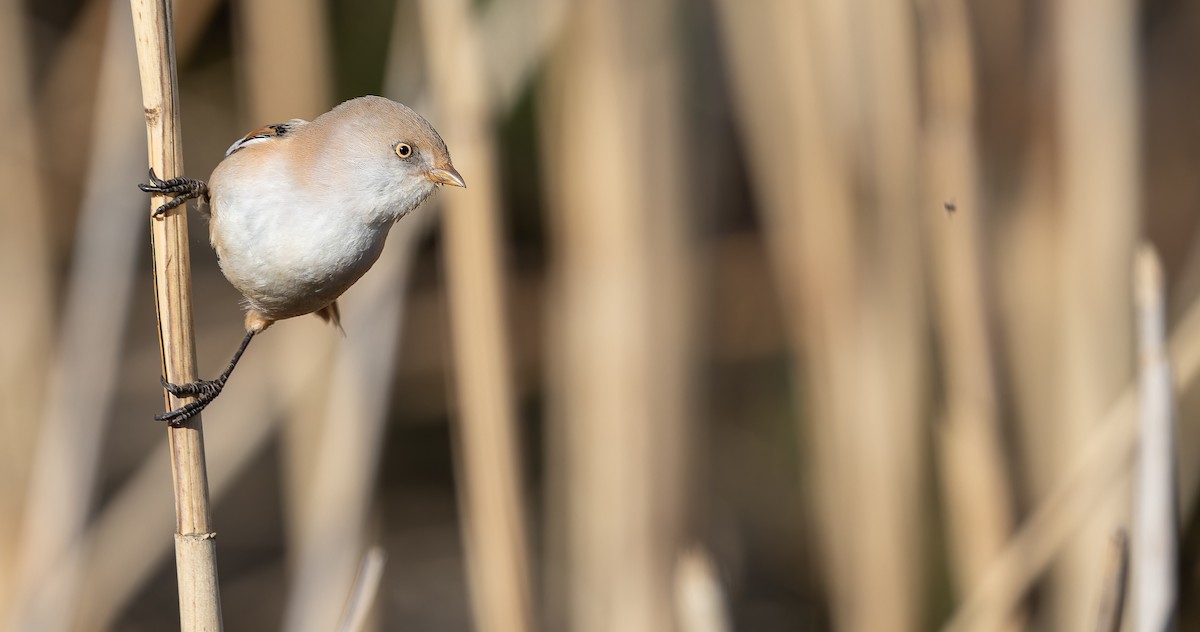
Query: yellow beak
446	175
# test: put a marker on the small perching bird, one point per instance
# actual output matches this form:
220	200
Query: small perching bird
299	211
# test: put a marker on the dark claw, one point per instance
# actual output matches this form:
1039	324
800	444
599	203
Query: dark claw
199	388
179	416
205	391
183	188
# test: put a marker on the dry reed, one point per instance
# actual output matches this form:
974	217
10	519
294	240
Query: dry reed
1116	572
489	460
195	543
844	266
94	312
1097	126
980	513
1098	472
619	311
25	328
1154	546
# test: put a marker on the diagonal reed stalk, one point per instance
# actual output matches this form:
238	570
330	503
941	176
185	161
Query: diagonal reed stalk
195	543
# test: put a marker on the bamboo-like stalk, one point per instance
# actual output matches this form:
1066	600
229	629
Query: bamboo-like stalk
796	164
195	543
1096	48
1112	600
517	34
1155	541
979	504
366	586
489	460
853	322
618	386
127	552
699	596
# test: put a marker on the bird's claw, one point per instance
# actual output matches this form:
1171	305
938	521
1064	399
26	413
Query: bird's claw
183	189
199	388
205	391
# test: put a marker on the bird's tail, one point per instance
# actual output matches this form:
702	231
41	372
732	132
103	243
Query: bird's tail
332	315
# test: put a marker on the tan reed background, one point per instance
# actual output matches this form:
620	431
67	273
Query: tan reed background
784	315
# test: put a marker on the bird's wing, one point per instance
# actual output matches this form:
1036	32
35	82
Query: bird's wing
266	133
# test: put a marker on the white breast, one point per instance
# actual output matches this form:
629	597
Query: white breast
290	248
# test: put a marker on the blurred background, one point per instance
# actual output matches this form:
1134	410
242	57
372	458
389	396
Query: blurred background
772	315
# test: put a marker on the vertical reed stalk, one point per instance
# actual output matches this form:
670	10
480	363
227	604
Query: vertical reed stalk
853	320
195	543
1097	126
491	493
973	473
90	338
619	226
25	326
1098	471
1155	539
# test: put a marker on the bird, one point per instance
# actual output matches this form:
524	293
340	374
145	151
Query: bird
299	211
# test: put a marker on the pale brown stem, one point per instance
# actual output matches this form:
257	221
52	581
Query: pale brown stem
1112	600
366	587
1097	472
980	512
90	335
618	218
803	85
195	544
28	288
1097	58
492	493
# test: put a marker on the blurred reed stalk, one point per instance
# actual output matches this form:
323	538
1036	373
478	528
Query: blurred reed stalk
1098	472
127	524
853	323
66	101
491	491
517	35
973	473
1155	516
130	554
366	587
195	543
91	334
699	596
330	534
619	310
1097	131
1116	573
27	287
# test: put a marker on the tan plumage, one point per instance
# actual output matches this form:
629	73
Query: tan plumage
299	211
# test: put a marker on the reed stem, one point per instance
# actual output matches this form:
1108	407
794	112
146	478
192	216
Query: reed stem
195	543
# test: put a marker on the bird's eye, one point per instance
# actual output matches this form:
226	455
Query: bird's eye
404	150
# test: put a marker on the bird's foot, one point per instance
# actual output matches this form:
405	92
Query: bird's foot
183	189
205	391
